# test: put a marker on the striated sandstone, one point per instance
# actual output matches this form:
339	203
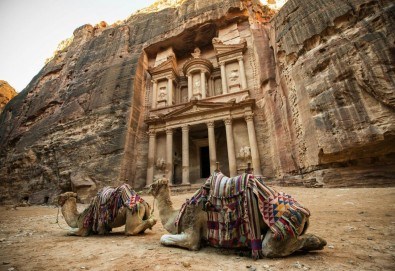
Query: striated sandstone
6	94
321	73
334	91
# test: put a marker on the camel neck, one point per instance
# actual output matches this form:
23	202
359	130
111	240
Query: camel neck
167	213
70	212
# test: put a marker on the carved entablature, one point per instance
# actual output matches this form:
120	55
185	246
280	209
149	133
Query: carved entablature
197	65
228	52
199	111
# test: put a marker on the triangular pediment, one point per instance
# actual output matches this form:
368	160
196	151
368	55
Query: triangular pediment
168	65
197	107
225	49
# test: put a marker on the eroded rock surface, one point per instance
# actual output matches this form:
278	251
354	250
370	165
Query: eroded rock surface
323	81
334	90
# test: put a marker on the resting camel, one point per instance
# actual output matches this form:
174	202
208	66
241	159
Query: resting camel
188	227
111	208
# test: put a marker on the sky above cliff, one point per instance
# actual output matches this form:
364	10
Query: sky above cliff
30	30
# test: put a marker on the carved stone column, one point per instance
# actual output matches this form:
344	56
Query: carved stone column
169	154
185	154
256	163
151	156
231	147
170	91
203	84
212	91
223	78
242	73
189	86
211	145
154	93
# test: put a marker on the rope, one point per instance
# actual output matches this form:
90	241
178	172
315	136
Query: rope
57	220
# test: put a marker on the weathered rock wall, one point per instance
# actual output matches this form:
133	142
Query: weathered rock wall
79	123
322	74
332	107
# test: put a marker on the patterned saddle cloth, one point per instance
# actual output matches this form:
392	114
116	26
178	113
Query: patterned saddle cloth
234	207
105	206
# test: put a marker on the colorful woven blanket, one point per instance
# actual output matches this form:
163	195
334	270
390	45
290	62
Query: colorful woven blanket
233	206
105	206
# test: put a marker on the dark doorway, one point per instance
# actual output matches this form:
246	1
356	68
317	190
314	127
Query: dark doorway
204	162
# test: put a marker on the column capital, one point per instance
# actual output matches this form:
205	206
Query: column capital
228	121
154	81
151	132
249	117
221	63
210	124
240	58
185	128
169	131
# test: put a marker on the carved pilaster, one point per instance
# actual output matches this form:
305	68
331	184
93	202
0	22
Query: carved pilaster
253	144
211	145
169	154
242	73
190	86
151	156
154	93
223	77
185	154
203	84
231	147
169	90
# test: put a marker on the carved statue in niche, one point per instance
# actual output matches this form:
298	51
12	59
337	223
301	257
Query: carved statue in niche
245	154
196	53
234	75
162	93
196	86
160	163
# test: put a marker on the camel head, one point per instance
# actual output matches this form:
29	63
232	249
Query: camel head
62	198
158	186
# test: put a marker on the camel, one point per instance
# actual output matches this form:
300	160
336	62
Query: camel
190	229
122	206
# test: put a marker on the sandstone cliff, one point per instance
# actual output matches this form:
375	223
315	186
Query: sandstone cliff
325	98
334	91
79	123
6	94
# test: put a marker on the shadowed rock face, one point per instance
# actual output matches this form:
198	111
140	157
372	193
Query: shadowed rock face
324	105
6	94
335	90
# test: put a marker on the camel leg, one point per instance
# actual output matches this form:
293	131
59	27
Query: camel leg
187	240
273	248
80	232
135	223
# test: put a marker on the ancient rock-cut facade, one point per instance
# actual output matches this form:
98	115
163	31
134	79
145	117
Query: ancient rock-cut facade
196	100
305	96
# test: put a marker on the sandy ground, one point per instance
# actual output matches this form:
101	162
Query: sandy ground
358	224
